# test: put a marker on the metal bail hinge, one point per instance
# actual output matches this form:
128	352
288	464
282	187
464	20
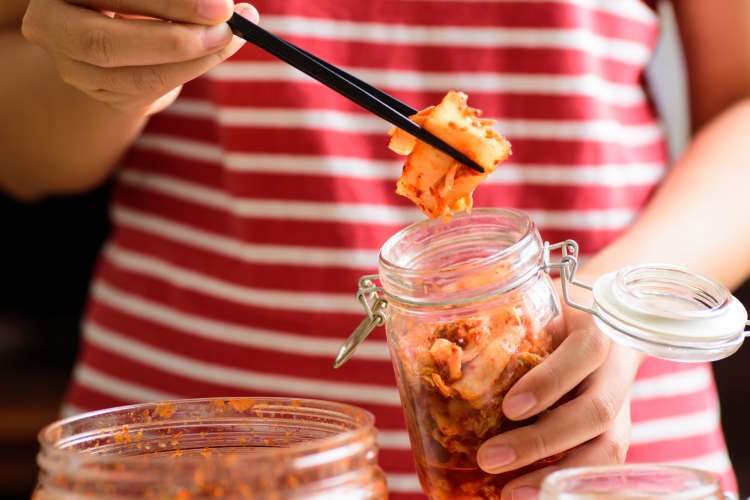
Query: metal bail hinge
374	305
568	266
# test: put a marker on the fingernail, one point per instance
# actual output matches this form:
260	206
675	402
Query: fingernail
247	11
524	493
518	405
216	36
493	457
213	9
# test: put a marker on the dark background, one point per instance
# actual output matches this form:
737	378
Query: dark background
46	257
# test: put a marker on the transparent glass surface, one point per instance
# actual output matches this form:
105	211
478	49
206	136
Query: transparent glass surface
671	292
470	312
624	482
261	448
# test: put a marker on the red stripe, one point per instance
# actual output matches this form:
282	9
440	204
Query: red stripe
183	343
671	450
360	145
325	188
305	233
498	105
114	365
664	407
87	399
301	278
474	59
469	14
331	325
654	367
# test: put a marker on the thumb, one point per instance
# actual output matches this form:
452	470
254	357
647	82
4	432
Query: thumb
247	11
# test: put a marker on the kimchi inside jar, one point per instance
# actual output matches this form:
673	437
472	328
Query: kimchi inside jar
260	449
470	311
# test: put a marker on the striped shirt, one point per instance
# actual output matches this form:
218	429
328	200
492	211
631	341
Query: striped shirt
247	211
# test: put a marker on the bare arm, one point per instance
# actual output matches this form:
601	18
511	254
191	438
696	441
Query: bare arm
55	139
80	81
700	217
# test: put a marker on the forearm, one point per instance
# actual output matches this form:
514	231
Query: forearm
55	139
700	217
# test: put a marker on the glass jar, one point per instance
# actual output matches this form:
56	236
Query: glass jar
623	482
261	448
470	310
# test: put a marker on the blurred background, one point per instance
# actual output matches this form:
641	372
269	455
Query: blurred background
48	253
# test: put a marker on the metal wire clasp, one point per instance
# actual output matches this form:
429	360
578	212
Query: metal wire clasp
374	304
568	266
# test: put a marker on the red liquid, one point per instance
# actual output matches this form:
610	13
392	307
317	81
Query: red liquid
466	483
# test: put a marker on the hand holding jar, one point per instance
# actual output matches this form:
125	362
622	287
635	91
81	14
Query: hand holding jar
594	423
481	345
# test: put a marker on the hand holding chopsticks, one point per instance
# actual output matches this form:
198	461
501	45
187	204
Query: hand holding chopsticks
374	100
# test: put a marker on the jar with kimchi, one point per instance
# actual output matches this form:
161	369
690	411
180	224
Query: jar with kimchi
470	309
260	449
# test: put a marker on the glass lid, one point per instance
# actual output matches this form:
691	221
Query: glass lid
664	311
669	312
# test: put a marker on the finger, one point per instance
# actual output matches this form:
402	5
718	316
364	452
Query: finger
582	352
608	449
186	11
587	416
93	38
145	81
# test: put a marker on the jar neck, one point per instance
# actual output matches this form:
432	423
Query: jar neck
215	448
482	254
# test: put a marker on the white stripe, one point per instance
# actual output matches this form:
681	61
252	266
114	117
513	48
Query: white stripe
672	384
613	219
396	440
362	260
629	9
588	85
715	462
681	426
126	391
610	175
460	36
69	410
610	131
232	333
274	209
243	379
213	287
353	212
403	483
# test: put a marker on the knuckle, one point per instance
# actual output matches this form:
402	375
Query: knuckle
604	409
615	450
98	48
30	28
179	40
539	446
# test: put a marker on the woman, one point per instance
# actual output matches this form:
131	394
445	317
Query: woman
248	206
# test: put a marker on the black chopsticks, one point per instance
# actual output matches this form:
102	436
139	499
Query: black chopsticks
375	101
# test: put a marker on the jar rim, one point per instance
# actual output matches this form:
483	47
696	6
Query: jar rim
707	484
527	232
362	420
510	235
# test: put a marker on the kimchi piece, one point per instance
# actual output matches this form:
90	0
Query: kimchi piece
439	185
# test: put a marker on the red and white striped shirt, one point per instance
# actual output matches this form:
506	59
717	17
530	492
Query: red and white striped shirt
248	210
